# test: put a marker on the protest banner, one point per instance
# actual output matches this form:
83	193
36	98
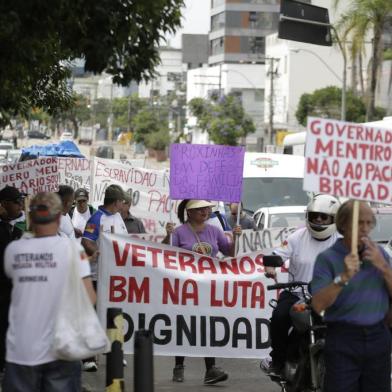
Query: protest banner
32	176
149	188
206	172
194	305
348	160
75	172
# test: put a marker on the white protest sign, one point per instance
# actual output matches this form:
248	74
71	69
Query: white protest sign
76	172
149	188
193	304
348	160
32	176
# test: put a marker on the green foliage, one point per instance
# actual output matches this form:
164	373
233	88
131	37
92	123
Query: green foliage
158	140
39	38
387	54
146	122
225	120
326	102
125	109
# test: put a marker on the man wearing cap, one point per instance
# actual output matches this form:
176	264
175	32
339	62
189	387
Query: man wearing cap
81	212
133	224
107	219
37	267
11	228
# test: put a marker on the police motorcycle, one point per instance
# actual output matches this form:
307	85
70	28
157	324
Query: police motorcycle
304	368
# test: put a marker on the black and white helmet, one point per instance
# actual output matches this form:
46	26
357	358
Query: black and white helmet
322	205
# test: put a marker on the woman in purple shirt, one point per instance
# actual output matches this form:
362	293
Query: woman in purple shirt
197	236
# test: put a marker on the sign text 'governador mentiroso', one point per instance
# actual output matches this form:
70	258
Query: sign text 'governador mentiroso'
349	160
192	303
205	171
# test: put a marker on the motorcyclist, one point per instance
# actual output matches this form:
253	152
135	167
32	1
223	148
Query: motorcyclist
301	248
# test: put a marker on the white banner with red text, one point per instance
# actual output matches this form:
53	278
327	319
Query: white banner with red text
193	304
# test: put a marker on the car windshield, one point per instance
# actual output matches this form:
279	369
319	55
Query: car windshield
383	230
6	146
294	219
269	192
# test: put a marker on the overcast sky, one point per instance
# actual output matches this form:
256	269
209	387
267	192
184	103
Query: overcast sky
195	20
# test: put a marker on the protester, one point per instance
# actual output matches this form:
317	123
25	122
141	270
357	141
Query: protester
246	222
67	195
81	212
133	224
11	201
108	219
302	248
354	291
37	267
196	235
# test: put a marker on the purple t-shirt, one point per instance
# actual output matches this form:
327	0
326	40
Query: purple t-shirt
212	240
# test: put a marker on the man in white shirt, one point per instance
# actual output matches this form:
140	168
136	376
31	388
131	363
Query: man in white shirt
67	195
37	267
81	213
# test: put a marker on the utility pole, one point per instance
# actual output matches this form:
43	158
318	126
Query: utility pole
272	73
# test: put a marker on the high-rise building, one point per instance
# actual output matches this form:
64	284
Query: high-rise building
239	28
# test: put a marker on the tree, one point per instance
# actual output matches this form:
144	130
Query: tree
39	38
361	18
224	120
326	102
125	109
146	122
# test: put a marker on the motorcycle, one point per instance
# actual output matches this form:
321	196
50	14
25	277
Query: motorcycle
304	367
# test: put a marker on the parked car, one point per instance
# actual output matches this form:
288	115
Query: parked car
382	233
13	155
66	136
105	152
37	135
287	216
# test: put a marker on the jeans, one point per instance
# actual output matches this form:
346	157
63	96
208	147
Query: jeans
56	376
357	359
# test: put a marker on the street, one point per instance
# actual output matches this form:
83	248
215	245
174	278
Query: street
244	375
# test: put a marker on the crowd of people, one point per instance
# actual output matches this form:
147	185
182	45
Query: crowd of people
352	290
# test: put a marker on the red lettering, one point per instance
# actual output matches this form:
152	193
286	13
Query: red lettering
169	259
155	252
258	295
186	260
169	291
214	301
206	264
136	256
116	285
232	267
315	127
120	260
139	294
191	293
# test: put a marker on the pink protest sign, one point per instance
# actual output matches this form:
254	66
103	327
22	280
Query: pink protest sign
206	172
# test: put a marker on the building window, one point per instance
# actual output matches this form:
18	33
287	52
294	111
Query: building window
263	20
217	46
218	21
257	45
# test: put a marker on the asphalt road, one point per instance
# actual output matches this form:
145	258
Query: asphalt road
244	376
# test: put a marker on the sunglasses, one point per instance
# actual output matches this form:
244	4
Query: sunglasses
315	215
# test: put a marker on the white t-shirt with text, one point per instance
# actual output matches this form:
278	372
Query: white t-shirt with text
37	268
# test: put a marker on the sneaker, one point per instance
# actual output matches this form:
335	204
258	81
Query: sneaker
214	375
268	367
178	373
90	366
125	363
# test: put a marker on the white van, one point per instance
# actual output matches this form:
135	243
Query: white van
273	180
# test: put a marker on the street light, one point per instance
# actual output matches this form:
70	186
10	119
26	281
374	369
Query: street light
341	80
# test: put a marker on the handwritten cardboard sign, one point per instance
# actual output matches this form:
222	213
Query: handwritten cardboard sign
31	177
204	171
349	160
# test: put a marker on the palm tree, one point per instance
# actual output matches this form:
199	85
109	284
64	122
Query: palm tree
365	17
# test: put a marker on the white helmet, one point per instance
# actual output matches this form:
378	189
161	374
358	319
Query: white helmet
322	204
